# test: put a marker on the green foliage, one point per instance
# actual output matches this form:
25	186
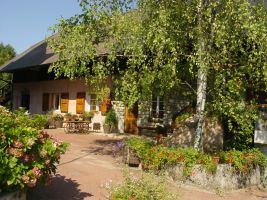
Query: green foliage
159	157
57	117
7	52
27	156
87	115
39	121
147	186
111	118
162	46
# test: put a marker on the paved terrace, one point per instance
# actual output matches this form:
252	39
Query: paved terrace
89	163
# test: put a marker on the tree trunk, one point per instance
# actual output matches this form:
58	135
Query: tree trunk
200	107
201	81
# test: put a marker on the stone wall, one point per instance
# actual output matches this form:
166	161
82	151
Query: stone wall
225	177
212	139
119	109
13	196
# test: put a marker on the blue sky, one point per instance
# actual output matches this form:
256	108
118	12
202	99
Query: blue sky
25	22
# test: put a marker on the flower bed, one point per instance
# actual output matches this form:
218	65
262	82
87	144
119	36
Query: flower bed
27	156
159	157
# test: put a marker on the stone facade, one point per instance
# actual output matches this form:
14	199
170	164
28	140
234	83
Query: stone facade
119	109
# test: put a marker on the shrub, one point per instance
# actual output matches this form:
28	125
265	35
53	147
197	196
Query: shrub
111	118
148	186
39	121
158	157
58	117
27	156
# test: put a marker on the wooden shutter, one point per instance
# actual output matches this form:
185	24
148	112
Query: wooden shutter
130	123
45	105
80	103
64	102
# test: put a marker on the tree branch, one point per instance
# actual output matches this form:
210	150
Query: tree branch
186	83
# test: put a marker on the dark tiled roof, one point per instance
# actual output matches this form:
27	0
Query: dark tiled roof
37	55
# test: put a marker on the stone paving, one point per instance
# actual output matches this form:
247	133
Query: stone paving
89	163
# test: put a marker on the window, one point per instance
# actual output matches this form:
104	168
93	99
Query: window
25	100
93	102
51	102
157	107
45	104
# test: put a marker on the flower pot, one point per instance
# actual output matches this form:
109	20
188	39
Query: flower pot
58	124
16	195
107	128
216	159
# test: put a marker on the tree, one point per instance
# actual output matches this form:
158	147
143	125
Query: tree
6	53
219	45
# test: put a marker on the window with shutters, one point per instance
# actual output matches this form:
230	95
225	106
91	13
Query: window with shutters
80	103
64	102
157	107
93	102
56	101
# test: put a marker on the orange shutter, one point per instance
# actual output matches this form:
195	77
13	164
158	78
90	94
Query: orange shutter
104	106
80	103
64	102
45	106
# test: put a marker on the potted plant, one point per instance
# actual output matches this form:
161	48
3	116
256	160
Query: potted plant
87	116
68	116
110	121
58	119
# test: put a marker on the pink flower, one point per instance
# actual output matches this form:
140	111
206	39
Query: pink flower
30	142
47	162
37	172
43	153
26	157
17	144
43	134
41	140
25	179
32	182
33	157
15	152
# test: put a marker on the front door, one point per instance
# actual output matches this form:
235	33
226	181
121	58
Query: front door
131	120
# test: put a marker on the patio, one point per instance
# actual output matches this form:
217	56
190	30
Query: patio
89	163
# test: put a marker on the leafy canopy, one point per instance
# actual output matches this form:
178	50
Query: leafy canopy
150	46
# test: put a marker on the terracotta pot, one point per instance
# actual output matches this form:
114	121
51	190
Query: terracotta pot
216	159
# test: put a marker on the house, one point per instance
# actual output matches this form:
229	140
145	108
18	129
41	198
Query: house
39	92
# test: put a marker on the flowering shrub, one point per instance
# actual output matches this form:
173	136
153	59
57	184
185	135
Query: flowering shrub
27	156
158	157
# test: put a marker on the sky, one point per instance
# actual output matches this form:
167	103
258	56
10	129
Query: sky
25	22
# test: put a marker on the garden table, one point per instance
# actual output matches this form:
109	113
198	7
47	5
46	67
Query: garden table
77	126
